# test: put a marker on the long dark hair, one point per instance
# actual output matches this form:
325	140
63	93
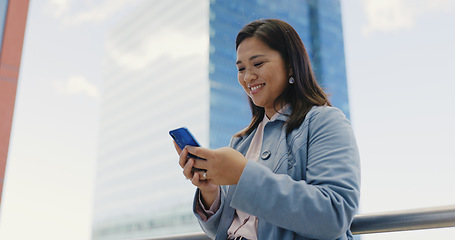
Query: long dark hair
305	92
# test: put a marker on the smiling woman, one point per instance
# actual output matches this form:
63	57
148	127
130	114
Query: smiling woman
294	173
290	62
262	73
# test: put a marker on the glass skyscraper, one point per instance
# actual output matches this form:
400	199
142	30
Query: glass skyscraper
3	11
318	24
171	64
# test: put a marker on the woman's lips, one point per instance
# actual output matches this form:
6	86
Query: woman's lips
255	88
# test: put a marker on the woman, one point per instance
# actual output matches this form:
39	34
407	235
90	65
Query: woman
294	172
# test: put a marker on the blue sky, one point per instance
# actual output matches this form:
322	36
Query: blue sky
399	61
399	56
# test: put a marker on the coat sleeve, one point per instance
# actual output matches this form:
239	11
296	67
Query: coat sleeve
323	205
210	225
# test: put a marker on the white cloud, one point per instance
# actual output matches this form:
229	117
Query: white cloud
97	13
79	12
168	43
394	15
77	85
58	7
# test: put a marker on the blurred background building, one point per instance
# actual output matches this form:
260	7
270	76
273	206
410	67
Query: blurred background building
140	190
13	16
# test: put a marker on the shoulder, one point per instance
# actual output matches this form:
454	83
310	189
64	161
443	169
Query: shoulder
320	113
322	119
329	125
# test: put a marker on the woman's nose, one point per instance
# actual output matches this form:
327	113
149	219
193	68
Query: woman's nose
249	76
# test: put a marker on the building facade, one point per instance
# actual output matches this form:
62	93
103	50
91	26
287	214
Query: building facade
171	64
13	17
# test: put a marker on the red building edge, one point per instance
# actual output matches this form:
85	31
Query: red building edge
10	59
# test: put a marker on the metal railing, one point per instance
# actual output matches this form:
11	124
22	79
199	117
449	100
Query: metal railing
427	218
394	221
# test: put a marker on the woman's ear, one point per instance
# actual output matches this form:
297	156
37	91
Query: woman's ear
290	71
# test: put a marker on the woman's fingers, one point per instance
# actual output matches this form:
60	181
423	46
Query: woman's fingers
223	165
203	153
177	148
199	151
195	179
188	169
183	157
201	164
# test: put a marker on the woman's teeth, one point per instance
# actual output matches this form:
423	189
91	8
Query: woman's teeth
256	87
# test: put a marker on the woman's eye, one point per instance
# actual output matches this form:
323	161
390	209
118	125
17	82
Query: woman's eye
241	69
258	64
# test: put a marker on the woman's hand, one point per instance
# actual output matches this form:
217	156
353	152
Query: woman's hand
223	166
208	190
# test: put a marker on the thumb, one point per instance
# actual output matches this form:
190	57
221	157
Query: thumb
198	151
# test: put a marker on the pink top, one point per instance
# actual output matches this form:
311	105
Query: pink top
243	225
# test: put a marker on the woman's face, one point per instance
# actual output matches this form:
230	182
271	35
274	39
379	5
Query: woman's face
262	73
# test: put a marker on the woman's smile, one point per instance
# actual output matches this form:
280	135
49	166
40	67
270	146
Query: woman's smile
255	88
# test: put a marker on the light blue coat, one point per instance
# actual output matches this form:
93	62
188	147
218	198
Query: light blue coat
305	184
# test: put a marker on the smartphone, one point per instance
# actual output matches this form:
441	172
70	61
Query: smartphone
182	136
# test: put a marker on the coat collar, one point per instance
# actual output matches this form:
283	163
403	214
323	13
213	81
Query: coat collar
283	114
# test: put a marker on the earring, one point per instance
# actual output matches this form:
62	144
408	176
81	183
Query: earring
291	80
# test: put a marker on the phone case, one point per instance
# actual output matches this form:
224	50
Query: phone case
182	136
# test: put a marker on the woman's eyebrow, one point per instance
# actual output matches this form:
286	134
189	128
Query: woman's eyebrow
251	58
